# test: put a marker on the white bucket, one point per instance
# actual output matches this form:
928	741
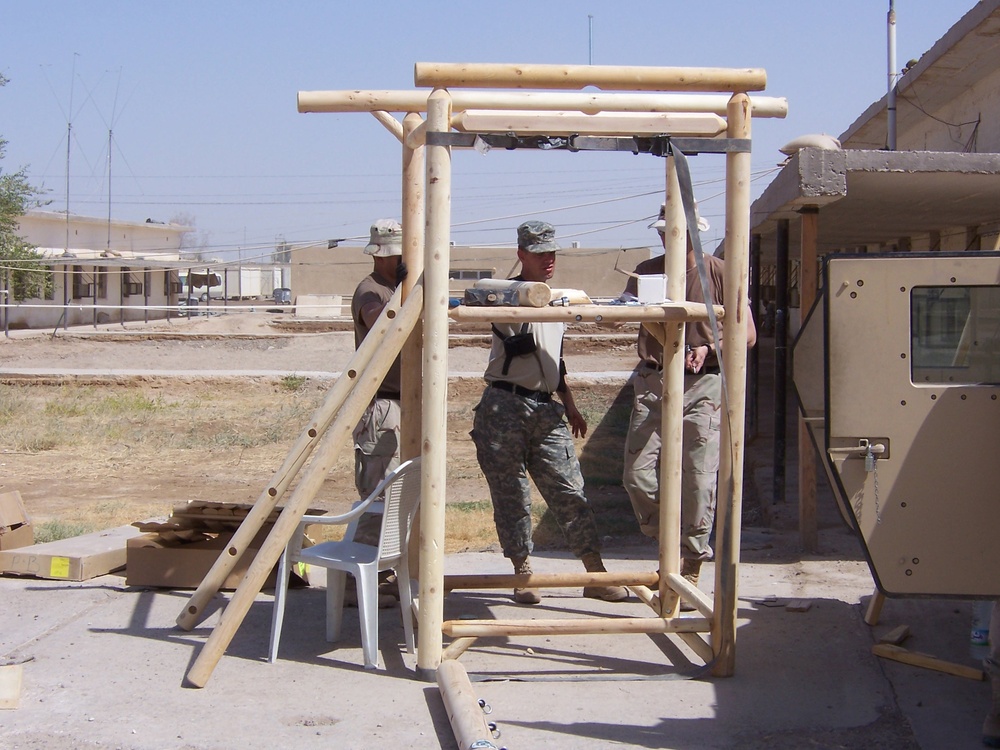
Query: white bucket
652	288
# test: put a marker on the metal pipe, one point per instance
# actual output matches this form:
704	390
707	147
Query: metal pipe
891	96
780	357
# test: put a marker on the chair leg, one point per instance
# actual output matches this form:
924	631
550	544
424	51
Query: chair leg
278	611
406	604
368	610
336	582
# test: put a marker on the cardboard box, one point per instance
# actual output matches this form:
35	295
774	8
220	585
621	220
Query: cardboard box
180	564
15	527
179	553
78	558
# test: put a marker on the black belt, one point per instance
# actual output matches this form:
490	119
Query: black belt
706	370
393	395
541	396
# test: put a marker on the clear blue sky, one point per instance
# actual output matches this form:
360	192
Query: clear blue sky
200	99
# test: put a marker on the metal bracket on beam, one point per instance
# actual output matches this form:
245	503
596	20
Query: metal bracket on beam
656	145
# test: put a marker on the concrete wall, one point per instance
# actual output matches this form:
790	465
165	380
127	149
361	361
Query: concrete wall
969	122
316	270
47	229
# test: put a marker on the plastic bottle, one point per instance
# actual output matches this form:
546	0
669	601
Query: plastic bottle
979	635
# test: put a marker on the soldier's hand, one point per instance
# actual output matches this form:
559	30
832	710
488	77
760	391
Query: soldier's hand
401	273
576	423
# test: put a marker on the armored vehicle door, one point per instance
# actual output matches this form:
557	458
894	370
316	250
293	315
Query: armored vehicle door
908	417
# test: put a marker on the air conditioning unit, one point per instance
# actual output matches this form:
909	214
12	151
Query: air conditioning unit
176	287
130	288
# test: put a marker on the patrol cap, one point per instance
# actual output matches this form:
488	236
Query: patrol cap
386	238
537	237
660	224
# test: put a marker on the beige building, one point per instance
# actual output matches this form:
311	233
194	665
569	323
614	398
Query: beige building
916	172
317	270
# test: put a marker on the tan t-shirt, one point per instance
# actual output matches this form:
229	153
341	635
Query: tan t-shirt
695	334
538	371
374	288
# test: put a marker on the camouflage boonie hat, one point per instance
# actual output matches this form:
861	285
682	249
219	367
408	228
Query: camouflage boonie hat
537	237
386	238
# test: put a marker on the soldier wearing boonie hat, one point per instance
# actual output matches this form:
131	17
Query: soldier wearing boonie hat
701	415
520	430
376	436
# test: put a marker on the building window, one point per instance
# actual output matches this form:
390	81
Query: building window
130	283
171	283
83	283
954	337
470	274
102	282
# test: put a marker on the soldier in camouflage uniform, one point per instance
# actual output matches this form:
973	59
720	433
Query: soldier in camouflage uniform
702	420
519	430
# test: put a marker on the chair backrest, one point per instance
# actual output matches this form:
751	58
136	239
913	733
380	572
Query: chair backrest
401	497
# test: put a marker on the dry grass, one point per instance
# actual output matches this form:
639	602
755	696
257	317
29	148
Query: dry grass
91	456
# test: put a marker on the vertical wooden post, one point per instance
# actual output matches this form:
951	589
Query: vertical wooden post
734	353
413	257
435	386
411	409
672	403
808	522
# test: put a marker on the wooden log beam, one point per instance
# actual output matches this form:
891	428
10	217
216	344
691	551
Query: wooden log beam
605	77
434	388
568	626
670	311
562	122
548	580
587	103
734	356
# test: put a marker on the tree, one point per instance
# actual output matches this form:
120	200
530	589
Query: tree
28	277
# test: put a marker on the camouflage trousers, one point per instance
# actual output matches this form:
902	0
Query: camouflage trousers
518	437
699	464
376	453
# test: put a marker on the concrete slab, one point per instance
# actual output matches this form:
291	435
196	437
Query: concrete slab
104	664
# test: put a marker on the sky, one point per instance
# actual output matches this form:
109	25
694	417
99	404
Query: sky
194	101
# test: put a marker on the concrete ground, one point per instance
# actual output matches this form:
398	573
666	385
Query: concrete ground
103	664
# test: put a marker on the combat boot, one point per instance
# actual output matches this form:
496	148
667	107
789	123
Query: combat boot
690	570
594	564
526	595
991	727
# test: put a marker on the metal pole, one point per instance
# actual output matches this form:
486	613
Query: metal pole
780	357
891	96
753	366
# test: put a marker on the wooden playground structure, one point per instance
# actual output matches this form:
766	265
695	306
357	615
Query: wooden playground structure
667	112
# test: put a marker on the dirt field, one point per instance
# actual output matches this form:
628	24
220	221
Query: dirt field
173	416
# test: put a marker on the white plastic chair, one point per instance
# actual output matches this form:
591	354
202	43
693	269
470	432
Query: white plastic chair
399	496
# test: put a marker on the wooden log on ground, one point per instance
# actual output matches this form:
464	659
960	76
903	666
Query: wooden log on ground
465	715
